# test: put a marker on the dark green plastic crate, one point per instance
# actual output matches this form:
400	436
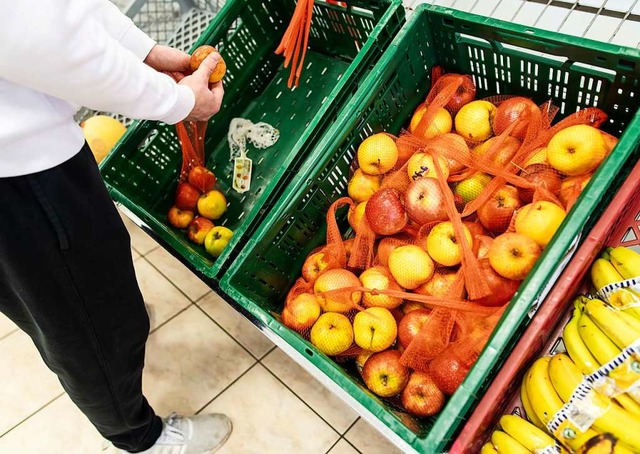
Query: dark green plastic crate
504	58
142	172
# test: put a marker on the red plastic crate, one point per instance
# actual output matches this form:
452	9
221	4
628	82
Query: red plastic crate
619	225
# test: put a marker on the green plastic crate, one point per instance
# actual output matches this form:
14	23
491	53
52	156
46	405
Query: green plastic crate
142	172
503	58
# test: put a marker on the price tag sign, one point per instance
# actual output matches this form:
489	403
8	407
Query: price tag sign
242	174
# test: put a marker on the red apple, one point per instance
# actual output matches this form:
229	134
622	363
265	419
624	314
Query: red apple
410	325
541	175
315	264
187	197
202	178
180	218
300	313
385	212
513	109
465	93
421	396
448	372
496	213
502	289
198	229
384	374
424	201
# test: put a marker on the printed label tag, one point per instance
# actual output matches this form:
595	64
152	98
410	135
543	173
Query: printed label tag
622	294
242	167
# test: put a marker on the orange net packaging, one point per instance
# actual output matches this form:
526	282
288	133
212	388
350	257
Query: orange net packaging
447	219
191	137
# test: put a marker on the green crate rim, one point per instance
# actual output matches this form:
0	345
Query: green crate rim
390	22
459	404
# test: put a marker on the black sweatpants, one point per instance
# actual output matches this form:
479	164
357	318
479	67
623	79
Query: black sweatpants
67	280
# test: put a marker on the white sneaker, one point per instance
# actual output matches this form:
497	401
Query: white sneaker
200	434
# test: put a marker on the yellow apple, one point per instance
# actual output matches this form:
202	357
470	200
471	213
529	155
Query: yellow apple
474	120
362	186
513	255
355	215
301	312
333	280
411	266
539	156
539	221
576	150
439	285
442	244
441	123
212	204
411	306
217	239
362	358
377	154
332	333
421	165
375	329
470	188
505	153
379	278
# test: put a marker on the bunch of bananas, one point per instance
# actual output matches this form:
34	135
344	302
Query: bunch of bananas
616	265
596	334
519	436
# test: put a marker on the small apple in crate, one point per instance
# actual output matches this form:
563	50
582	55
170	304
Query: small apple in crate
180	218
217	239
384	374
198	229
201	178
186	197
212	204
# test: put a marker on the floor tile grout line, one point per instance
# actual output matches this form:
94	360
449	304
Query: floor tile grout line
227	332
350	427
233	382
333	445
168	279
351	444
176	285
31	415
169	319
300	398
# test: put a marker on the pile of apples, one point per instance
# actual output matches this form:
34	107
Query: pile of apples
507	233
197	204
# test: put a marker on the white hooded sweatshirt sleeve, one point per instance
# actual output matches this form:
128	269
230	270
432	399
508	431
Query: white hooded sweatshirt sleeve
56	55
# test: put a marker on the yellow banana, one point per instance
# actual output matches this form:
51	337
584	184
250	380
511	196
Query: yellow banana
488	448
545	402
566	377
603	444
604	273
600	346
576	347
506	444
528	409
626	261
586	362
632	311
526	433
613	325
629	316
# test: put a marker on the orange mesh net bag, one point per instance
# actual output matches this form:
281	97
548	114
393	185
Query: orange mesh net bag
295	41
191	138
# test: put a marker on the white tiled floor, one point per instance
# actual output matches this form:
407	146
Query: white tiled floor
201	356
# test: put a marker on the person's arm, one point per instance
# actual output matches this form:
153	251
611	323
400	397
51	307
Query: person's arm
122	28
58	47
